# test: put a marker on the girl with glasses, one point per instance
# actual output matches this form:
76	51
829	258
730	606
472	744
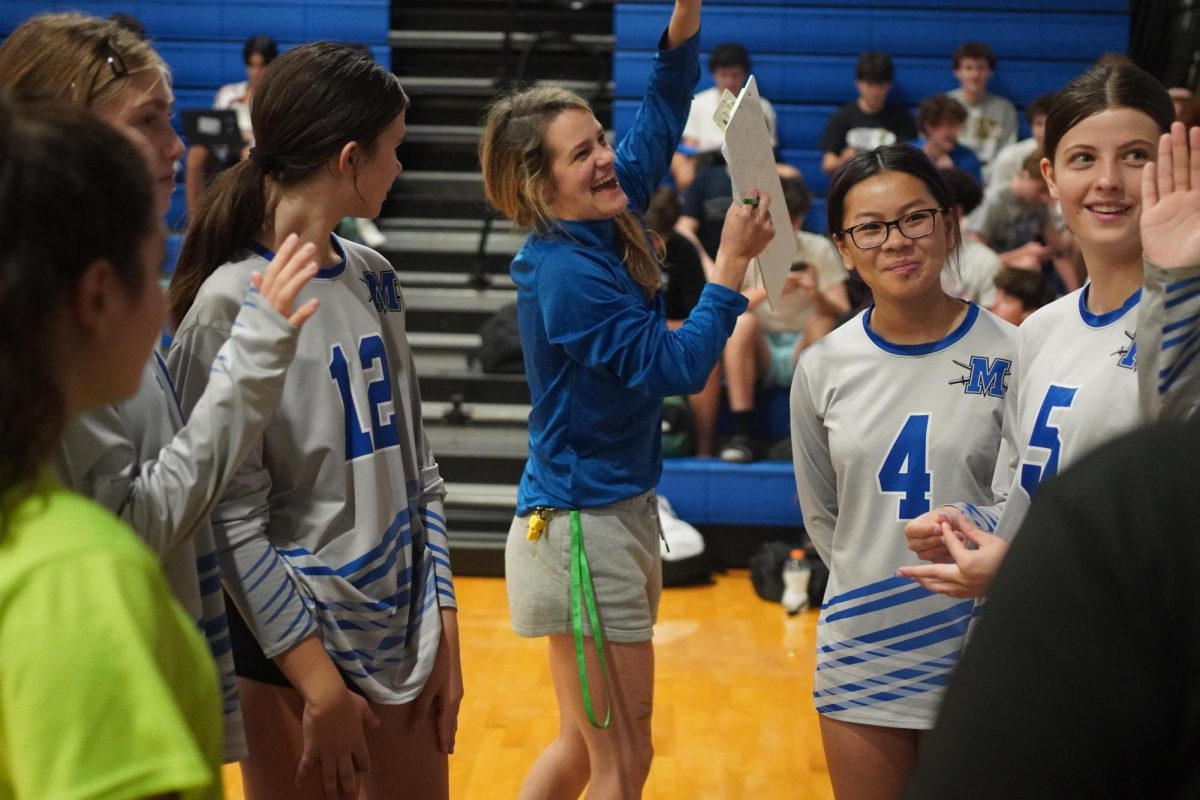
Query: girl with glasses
137	457
1128	181
332	535
900	407
106	686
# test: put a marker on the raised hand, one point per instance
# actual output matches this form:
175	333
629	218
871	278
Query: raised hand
289	272
1171	200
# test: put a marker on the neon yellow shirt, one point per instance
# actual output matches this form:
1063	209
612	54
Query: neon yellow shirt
107	689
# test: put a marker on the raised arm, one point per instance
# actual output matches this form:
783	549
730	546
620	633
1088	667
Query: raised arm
164	495
685	22
1168	330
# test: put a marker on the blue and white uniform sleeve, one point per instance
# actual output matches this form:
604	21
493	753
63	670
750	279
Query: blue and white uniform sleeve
644	153
166	497
606	327
1168	341
431	508
254	574
816	481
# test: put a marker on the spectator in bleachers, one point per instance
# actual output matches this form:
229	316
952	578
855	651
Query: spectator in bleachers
203	163
1019	293
977	263
869	121
1017	223
991	119
766	342
704	206
940	119
1009	161
683	283
729	64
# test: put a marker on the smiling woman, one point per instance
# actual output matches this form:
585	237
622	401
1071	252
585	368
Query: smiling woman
599	358
1081	358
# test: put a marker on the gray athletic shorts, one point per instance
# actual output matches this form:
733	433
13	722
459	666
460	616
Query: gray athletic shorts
621	542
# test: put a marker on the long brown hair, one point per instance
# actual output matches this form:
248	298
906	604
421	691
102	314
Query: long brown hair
75	58
1111	83
517	177
311	102
55	157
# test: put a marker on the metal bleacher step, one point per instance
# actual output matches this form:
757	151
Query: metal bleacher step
438	412
451	280
480	40
486	87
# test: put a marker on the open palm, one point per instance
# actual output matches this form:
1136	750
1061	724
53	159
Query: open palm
1171	200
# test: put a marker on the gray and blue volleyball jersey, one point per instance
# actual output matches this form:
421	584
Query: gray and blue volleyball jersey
1169	340
882	433
1077	390
164	477
334	524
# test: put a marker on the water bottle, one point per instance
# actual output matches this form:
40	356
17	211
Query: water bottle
796	573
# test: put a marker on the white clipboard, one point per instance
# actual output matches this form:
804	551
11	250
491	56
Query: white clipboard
748	152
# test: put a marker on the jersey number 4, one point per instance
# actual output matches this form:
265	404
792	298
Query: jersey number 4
372	357
905	471
1046	437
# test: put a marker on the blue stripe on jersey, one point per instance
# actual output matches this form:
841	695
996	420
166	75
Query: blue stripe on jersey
1186	322
245	576
926	348
934	672
1183	284
1179	367
900	598
957	613
1183	298
1108	317
425	512
1183	337
211	584
954	629
283	585
884	585
206	562
876	699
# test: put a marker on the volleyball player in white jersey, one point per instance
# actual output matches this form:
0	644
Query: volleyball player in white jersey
893	413
138	458
332	536
1077	358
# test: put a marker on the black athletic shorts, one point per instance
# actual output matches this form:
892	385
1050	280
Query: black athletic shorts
248	659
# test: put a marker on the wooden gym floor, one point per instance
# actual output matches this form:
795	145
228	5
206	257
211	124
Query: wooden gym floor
733	714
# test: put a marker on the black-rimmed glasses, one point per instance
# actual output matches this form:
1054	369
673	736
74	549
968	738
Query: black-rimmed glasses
110	59
913	225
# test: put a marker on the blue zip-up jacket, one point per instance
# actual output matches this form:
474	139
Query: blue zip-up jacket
598	356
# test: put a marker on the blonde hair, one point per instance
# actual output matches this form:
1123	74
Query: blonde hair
517	175
76	58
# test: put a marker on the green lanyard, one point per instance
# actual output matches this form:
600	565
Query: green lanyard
582	592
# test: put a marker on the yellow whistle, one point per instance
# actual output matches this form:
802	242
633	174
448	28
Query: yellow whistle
537	524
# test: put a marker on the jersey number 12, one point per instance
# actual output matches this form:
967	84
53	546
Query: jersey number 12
905	471
383	432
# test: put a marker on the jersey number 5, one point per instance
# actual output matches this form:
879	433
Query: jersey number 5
1046	436
383	433
904	471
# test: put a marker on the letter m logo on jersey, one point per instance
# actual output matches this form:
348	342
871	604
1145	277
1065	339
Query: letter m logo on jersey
987	376
384	290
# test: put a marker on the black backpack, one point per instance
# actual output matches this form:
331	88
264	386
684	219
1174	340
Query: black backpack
500	348
766	572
